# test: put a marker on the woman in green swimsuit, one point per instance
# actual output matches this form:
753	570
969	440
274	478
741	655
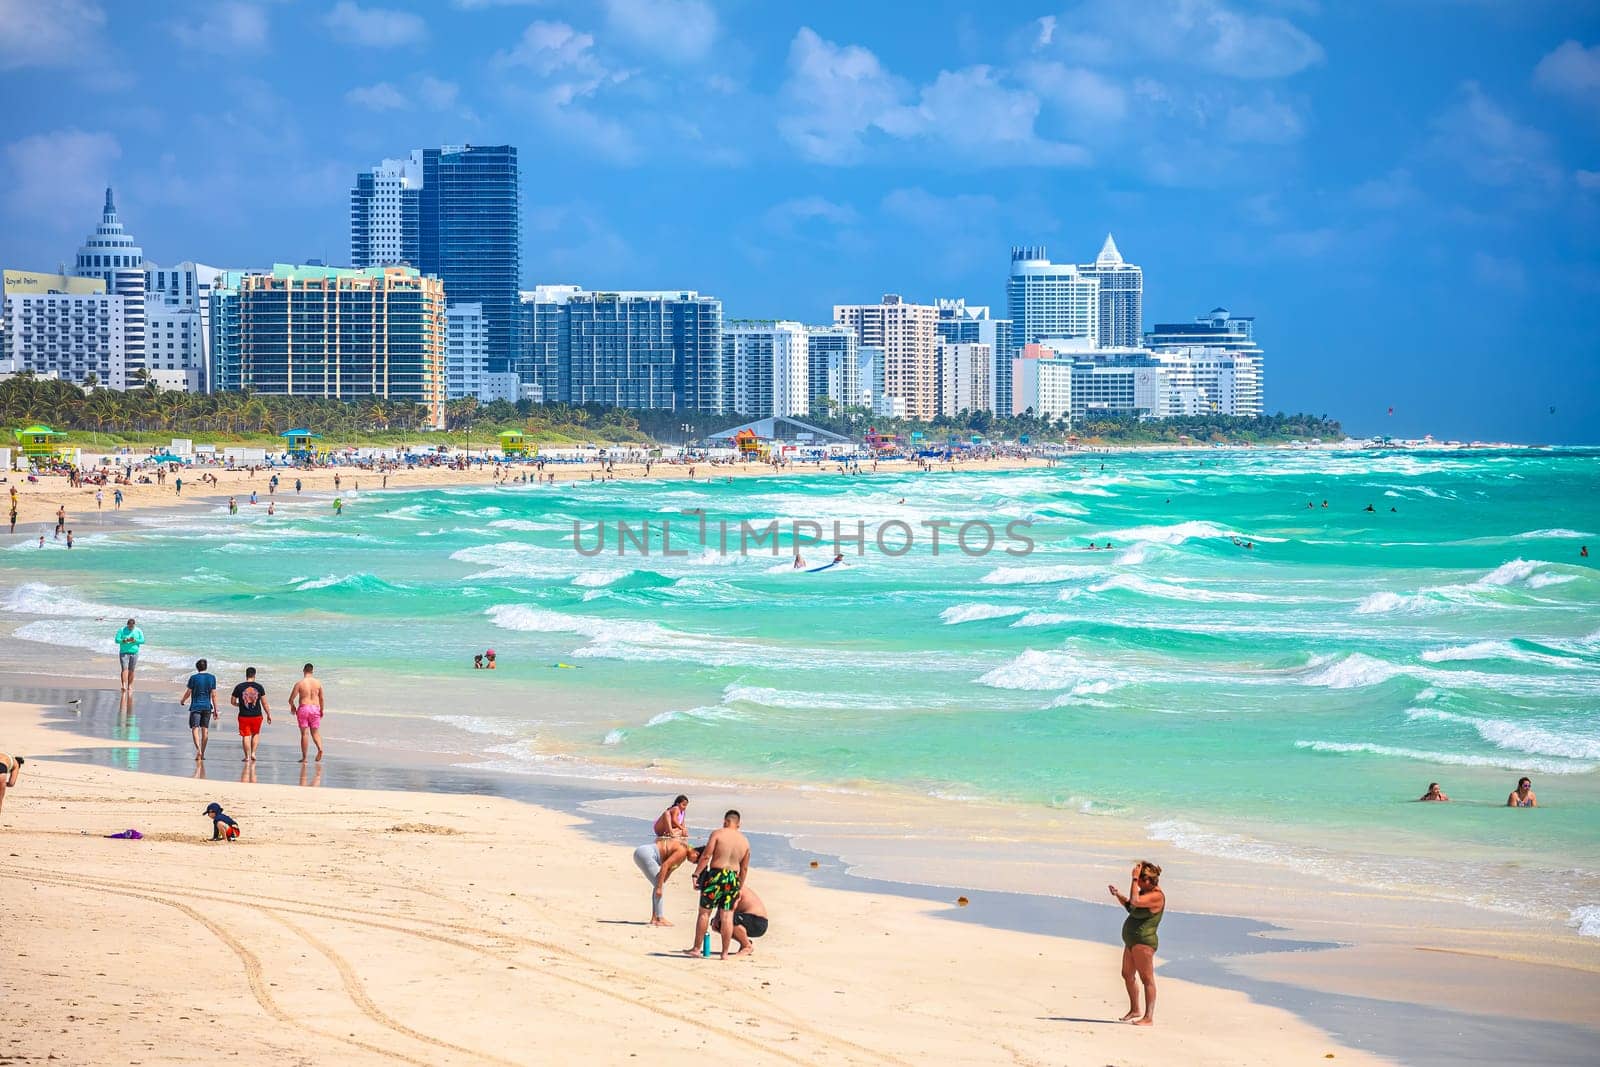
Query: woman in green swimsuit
1146	903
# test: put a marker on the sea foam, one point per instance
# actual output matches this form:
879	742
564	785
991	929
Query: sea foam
1457	759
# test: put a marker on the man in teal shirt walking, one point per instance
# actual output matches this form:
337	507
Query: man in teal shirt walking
129	640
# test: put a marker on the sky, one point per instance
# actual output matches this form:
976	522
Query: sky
1405	194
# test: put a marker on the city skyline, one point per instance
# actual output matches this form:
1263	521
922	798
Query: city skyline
791	161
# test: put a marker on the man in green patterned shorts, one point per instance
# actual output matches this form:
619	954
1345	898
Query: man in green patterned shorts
724	863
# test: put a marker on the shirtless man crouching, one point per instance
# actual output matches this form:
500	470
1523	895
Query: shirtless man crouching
725	863
749	920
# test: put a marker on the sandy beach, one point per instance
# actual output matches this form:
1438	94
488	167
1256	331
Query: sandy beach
366	927
37	501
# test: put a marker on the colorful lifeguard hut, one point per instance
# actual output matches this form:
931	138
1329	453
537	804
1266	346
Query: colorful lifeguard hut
39	444
882	442
301	443
749	445
513	443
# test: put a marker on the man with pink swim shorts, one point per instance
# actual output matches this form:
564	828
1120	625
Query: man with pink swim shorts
306	701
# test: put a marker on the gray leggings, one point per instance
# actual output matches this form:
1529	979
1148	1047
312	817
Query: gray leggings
648	859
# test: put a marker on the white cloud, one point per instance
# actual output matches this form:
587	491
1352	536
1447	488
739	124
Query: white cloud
374	27
1087	97
1588	179
1501	272
34	34
1264	121
223	27
787	217
437	94
60	176
1047	30
1571	70
428	92
1208	34
380	97
837	97
680	30
1394	190
1491	146
565	73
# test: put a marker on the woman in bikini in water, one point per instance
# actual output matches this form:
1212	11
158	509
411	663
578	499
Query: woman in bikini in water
1146	903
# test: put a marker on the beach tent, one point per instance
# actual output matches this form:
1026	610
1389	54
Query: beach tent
39	442
513	443
167	457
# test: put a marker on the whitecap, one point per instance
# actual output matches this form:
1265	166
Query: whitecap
960	613
1040	575
474	724
1457	759
1519	736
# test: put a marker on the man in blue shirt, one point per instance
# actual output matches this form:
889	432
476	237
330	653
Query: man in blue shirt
198	695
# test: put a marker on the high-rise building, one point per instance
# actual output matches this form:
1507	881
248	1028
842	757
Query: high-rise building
907	335
469	233
61	326
966	377
466	352
869	374
385	214
178	322
1078	380
963	323
542	332
766	368
455	213
111	254
1121	310
647	349
1042	383
333	332
1220	357
835	356
1050	300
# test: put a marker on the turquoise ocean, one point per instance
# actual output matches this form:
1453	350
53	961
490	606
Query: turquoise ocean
1283	703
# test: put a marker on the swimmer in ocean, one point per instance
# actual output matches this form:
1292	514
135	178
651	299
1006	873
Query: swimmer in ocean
799	561
1434	793
1523	796
1371	508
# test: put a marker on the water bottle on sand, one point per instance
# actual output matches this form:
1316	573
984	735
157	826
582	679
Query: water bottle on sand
705	945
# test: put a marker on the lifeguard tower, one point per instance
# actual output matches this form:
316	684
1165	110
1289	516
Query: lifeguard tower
749	445
39	444
301	444
513	444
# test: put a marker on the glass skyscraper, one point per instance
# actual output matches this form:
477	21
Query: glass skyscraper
627	349
455	213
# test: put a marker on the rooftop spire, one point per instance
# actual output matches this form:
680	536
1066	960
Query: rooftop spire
111	205
1109	256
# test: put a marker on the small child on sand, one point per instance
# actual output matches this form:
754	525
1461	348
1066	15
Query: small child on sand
223	828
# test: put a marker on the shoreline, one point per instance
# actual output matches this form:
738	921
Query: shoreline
388	925
37	501
1269	962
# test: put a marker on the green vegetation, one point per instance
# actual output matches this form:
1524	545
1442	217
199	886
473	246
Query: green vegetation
145	416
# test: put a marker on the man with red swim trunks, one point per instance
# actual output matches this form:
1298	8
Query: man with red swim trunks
250	697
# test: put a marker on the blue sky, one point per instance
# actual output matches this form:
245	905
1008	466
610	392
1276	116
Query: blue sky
1406	195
